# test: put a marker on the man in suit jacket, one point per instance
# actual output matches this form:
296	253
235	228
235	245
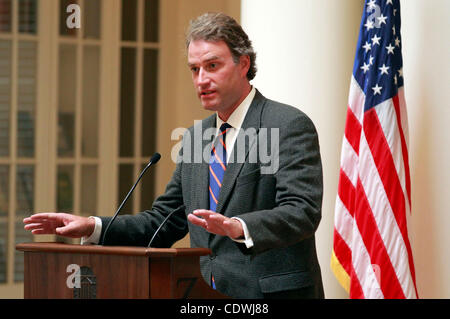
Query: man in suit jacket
261	232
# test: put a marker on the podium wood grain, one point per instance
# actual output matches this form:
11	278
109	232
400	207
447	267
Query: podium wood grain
121	272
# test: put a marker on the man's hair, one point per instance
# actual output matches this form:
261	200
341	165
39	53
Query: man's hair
220	27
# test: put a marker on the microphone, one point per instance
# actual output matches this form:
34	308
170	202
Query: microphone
153	160
182	207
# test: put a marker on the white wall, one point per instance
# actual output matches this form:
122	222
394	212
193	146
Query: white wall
426	56
305	56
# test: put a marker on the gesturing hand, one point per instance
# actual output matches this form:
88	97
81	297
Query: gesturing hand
216	223
60	224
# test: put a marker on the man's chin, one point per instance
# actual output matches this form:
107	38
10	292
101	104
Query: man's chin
209	107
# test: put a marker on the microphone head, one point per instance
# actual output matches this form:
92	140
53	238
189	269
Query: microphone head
155	158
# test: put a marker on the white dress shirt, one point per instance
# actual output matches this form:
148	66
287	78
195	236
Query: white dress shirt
235	120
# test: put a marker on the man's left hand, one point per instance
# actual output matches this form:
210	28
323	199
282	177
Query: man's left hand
216	223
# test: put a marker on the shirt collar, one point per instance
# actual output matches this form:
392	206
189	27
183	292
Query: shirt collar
237	117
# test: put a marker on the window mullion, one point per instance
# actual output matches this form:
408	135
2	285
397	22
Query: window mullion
13	145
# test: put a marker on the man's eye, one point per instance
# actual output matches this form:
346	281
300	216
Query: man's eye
194	69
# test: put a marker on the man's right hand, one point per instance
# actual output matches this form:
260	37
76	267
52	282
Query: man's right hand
61	224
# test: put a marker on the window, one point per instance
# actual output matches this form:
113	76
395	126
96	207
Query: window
18	87
77	106
79	52
138	99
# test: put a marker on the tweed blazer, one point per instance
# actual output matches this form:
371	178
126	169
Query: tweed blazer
273	182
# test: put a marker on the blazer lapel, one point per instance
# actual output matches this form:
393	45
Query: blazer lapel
252	120
200	176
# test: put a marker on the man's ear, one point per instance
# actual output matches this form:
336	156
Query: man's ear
244	61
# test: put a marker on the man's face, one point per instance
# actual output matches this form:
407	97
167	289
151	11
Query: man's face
221	84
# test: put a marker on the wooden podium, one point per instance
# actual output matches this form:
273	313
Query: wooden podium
56	270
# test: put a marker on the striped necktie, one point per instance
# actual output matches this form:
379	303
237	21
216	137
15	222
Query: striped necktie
217	166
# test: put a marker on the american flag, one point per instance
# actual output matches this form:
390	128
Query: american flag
372	256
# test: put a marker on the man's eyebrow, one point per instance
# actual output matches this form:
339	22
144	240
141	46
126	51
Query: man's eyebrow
212	58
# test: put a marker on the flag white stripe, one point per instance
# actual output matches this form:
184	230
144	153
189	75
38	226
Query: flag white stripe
349	161
343	222
356	100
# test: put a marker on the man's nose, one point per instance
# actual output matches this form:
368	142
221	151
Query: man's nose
203	77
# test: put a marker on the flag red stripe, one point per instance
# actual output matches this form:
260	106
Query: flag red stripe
342	252
353	130
346	192
386	168
390	286
356	291
396	101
